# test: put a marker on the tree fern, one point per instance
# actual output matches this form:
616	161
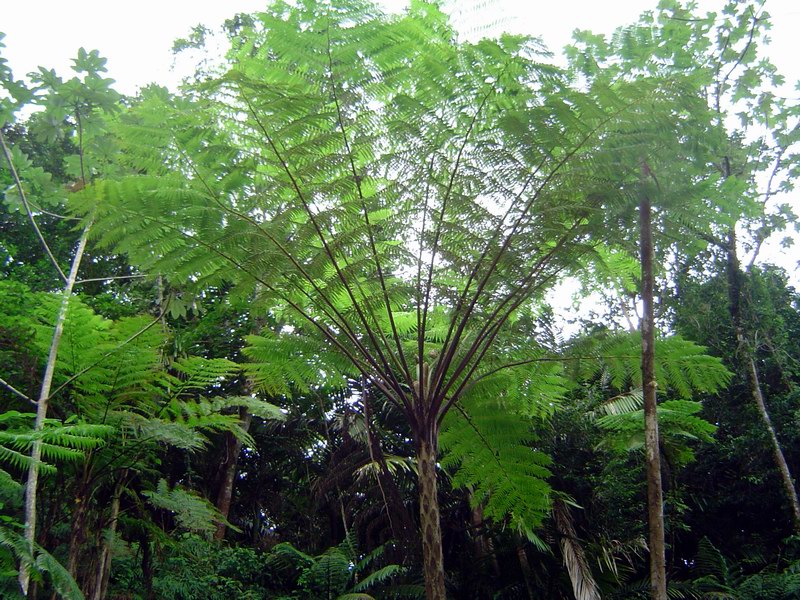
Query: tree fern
385	189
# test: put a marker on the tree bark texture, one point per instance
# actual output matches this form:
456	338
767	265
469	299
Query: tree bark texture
655	504
432	556
233	446
78	531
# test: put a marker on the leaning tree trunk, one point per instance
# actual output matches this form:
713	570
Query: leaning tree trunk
747	361
432	556
655	505
32	484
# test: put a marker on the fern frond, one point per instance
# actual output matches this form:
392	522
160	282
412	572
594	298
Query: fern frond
191	512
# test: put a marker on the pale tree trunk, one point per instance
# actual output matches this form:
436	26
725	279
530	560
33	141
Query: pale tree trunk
31	487
432	556
655	504
746	357
233	447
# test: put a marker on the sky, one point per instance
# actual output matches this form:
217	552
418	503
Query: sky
136	37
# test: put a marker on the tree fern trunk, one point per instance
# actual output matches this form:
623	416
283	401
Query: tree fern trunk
31	487
432	557
655	504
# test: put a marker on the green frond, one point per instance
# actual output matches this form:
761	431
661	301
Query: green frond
40	562
283	362
191	512
378	577
682	367
259	408
491	451
329	575
198	374
289	557
678	424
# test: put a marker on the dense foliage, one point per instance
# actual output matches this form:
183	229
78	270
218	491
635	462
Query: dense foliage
286	333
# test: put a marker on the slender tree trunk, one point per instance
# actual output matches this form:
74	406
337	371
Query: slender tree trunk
484	548
233	447
147	567
31	487
79	514
432	557
777	452
525	567
655	504
104	562
747	361
78	531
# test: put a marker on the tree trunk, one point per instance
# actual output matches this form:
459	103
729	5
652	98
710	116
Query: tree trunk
747	361
655	504
147	567
104	562
233	447
78	531
483	546
432	557
31	486
525	567
77	534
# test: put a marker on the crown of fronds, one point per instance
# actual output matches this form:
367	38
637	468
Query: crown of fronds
360	172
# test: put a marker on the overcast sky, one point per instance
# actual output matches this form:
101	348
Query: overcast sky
136	37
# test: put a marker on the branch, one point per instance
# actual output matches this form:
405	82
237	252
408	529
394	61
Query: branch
24	199
450	346
11	388
80	281
440	221
109	353
323	330
336	317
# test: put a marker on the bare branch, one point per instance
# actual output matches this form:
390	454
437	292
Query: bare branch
14	390
23	197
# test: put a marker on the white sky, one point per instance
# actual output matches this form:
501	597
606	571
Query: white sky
136	37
